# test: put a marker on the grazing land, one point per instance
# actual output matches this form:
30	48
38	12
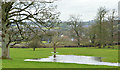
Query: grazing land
19	54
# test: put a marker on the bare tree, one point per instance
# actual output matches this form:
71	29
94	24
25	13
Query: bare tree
18	13
57	40
100	20
76	24
111	19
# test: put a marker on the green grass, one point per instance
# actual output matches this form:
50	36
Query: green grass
18	55
44	42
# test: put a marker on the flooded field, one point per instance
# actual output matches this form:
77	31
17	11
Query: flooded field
74	59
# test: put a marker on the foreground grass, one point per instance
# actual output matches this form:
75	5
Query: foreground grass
18	55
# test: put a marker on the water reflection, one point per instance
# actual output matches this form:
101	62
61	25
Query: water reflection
75	59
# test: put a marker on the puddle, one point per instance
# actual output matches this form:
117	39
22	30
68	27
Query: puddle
75	59
53	52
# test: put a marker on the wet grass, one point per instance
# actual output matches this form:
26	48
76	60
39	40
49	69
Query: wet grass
18	55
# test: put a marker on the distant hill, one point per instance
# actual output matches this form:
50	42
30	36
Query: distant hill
64	25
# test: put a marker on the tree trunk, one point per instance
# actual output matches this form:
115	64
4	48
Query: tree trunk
100	36
78	37
78	42
99	45
5	46
33	48
54	52
112	44
112	31
104	45
5	42
5	53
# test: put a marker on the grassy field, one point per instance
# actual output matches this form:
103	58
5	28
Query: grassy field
18	55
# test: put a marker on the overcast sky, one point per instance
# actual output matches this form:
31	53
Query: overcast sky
86	8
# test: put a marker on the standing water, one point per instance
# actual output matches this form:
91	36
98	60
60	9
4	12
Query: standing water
74	59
